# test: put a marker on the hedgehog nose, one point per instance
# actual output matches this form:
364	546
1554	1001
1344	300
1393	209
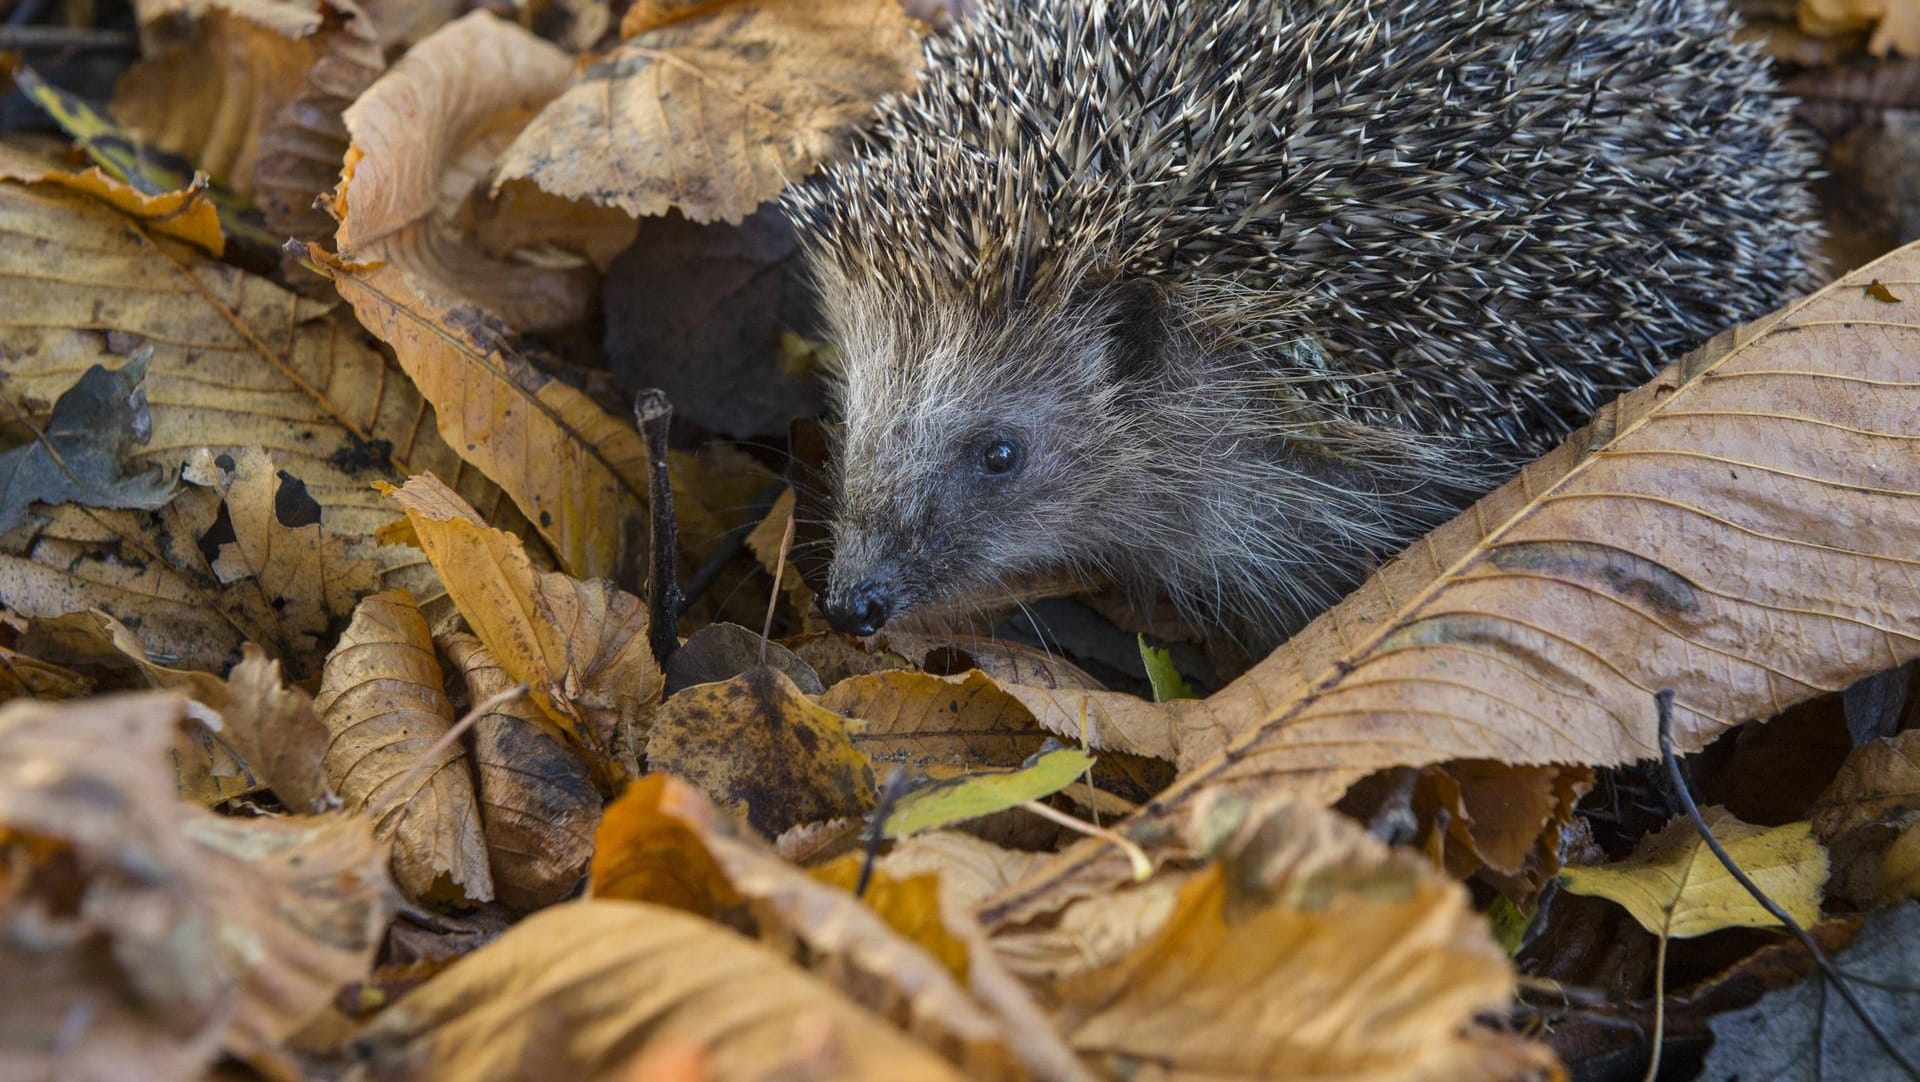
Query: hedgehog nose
863	610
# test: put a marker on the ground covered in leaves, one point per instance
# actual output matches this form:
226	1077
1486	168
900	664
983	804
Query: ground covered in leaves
382	697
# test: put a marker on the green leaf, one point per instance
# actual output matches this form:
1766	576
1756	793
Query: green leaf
1166	680
948	802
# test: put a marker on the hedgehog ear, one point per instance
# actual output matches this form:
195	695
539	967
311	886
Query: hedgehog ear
1136	314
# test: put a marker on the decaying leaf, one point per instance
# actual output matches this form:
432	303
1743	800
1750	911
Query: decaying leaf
1309	952
160	931
713	113
537	801
425	137
381	699
916	719
580	647
586	988
763	750
1870	818
650	847
275	729
81	456
1680	541
1807	1034
1673	885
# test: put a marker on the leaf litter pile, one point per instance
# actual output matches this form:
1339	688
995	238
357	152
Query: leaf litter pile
380	698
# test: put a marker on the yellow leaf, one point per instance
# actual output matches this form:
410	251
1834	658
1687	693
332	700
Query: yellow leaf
578	474
1674	886
649	848
917	719
184	215
582	988
381	698
580	647
713	113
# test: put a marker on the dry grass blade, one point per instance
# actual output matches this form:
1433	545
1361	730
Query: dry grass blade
1742	529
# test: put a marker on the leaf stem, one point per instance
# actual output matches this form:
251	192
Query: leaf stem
655	413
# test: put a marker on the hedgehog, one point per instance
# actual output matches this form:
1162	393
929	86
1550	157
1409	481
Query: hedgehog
1227	300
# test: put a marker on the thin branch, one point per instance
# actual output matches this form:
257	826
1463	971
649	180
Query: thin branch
654	413
480	710
877	832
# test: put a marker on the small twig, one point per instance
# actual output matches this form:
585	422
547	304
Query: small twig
45	39
773	597
654	413
730	546
877	832
480	710
1663	702
1136	856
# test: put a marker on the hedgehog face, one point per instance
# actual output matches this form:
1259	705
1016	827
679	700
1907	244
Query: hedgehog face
962	462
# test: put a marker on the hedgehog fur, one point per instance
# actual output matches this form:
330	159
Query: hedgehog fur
1227	300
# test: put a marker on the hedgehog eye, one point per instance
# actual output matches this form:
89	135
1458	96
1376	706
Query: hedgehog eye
999	457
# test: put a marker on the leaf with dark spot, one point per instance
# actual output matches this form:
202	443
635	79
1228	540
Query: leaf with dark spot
81	455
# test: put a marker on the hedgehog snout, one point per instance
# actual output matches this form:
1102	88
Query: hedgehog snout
863	608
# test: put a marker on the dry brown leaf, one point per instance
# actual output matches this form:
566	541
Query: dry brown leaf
1870	817
1311	952
581	989
903	953
236	362
714	113
381	700
23	677
425	139
581	647
763	750
579	474
305	143
158	929
215	75
1738	530
537	801
1498	817
276	731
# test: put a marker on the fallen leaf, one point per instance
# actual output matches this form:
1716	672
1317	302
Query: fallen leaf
381	700
763	750
1674	886
425	137
1869	817
715	112
903	954
945	803
1162	675
538	806
236	85
188	930
1895	23
1503	818
1807	1033
1677	542
24	677
273	551
81	456
580	988
917	719
579	474
650	847
183	214
723	651
580	647
1309	952
275	729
